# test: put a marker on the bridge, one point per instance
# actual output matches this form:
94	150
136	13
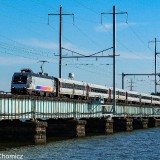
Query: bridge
39	117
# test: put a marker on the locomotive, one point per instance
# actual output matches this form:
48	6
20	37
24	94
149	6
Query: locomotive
28	82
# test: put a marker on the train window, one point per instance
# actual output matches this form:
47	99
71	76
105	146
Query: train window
97	90
145	97
67	85
122	93
19	79
79	87
133	95
117	92
156	99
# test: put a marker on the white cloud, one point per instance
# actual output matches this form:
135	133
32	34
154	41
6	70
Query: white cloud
34	42
68	46
104	27
108	26
45	44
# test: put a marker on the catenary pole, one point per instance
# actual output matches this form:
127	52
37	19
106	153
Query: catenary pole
60	43
155	62
155	52
60	36
137	74
114	57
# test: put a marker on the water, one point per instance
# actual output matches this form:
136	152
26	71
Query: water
135	145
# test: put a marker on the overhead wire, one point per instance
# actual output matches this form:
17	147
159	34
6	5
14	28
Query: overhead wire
18	49
82	31
86	35
75	64
102	75
31	49
88	8
124	46
137	36
79	31
86	20
46	4
62	35
93	68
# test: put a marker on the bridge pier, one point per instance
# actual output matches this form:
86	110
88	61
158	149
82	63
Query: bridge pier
151	122
39	130
145	123
66	128
129	125
80	128
95	126
122	124
98	126
109	126
157	122
17	131
140	123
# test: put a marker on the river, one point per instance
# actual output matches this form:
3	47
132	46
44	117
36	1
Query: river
135	145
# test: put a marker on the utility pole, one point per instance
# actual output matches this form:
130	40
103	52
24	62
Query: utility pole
155	67
114	53
60	37
114	59
131	84
123	75
60	43
155	61
144	74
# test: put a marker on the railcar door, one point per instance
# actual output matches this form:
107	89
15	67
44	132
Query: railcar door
109	97
140	98
87	90
57	86
73	92
126	96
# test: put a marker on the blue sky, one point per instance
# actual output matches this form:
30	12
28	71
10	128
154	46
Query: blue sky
26	38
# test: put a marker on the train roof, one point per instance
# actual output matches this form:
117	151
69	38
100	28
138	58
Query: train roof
155	96
98	86
133	92
72	81
33	75
117	89
145	94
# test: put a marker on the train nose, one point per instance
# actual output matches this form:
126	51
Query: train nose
13	90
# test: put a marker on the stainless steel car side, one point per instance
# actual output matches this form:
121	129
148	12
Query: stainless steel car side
27	82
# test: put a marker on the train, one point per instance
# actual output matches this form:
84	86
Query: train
26	82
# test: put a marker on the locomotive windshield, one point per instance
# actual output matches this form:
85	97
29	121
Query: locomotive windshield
19	79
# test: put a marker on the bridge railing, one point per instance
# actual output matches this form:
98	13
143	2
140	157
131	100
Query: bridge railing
14	107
